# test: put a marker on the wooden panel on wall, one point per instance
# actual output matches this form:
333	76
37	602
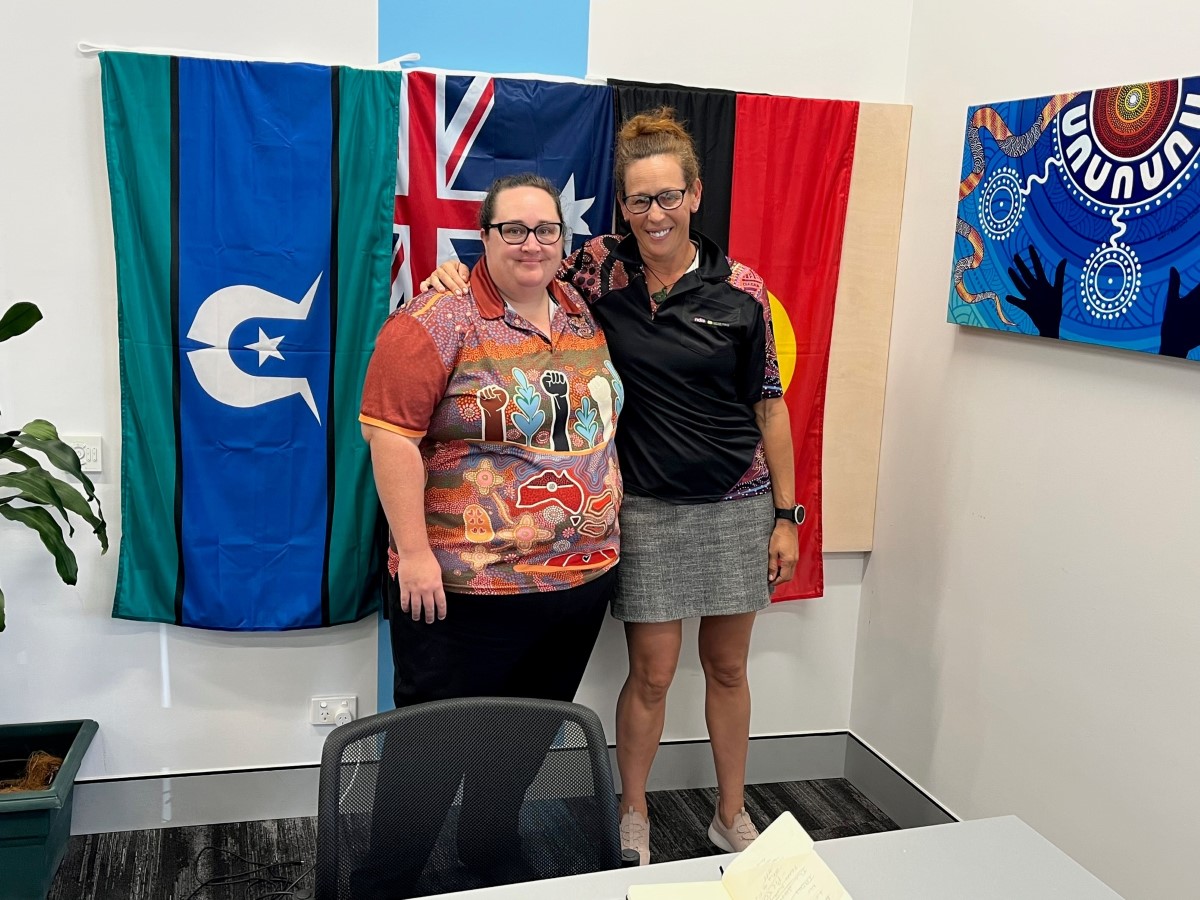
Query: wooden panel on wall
862	327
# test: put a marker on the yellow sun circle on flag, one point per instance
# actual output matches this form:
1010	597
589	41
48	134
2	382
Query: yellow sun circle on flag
785	340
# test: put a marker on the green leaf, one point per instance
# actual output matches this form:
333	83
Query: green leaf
18	319
17	457
35	488
39	486
52	537
42	436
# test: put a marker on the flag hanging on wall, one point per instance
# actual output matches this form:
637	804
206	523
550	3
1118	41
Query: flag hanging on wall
252	213
799	153
709	115
458	133
780	193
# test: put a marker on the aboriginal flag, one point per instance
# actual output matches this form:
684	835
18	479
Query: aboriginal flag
776	174
252	213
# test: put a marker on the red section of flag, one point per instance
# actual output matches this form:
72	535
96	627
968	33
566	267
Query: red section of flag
791	182
429	204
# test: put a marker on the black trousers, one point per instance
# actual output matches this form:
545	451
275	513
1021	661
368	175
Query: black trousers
525	645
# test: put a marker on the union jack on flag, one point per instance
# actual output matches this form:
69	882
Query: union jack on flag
458	133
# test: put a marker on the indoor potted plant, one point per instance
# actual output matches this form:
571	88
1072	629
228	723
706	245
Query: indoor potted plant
35	823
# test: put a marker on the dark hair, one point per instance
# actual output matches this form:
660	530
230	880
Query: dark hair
651	133
522	179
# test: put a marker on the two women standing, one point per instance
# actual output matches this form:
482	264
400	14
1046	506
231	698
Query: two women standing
708	521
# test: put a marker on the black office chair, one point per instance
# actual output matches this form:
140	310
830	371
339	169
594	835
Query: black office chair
459	794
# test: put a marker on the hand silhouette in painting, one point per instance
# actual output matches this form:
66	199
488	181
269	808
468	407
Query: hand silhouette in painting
1041	298
1181	319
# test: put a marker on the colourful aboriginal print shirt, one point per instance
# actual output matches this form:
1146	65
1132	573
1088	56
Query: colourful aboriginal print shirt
516	433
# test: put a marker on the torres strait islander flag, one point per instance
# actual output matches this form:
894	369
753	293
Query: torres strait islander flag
781	168
459	132
252	211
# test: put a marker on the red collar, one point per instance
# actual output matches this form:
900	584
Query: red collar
491	305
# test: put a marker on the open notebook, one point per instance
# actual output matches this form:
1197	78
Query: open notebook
781	865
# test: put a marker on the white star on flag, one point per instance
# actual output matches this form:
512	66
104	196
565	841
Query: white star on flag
267	347
573	211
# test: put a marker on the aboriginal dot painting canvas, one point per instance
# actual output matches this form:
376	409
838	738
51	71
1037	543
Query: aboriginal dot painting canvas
1079	218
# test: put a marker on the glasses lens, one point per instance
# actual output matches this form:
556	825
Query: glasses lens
514	232
638	203
547	232
670	199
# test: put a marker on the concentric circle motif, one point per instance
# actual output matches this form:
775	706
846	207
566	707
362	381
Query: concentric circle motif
1129	120
1110	281
1001	203
1129	148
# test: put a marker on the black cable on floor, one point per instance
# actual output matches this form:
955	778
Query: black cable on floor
260	875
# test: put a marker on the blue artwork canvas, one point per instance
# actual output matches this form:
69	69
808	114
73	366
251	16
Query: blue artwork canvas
1078	218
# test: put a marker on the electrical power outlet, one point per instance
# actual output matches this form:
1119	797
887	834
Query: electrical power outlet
87	448
334	710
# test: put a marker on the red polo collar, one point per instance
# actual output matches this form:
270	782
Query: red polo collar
491	305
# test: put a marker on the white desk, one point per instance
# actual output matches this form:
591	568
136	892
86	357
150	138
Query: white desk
987	859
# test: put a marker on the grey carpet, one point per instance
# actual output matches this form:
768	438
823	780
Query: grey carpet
171	863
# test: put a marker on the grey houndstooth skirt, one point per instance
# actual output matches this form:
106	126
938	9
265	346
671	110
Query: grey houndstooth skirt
706	559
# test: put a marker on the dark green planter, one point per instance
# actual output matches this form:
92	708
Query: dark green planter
35	825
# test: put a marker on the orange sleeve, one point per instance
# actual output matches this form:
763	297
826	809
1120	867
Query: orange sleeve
406	378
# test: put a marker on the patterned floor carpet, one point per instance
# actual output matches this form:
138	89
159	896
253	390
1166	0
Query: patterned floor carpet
248	860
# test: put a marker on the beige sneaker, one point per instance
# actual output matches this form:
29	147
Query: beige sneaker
736	838
635	837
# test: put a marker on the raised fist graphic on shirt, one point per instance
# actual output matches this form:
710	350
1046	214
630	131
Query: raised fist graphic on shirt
492	400
555	384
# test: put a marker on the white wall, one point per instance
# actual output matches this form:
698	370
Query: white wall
179	700
1027	642
854	49
802	653
235	700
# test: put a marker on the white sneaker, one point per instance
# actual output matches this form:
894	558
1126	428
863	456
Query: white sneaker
635	836
737	837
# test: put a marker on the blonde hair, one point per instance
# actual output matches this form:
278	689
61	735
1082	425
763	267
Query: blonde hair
655	132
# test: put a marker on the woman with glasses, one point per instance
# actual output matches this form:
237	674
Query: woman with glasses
709	521
490	417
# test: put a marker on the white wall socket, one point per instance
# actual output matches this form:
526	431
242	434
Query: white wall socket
333	710
87	448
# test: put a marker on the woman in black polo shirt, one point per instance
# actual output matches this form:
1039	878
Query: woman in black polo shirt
708	524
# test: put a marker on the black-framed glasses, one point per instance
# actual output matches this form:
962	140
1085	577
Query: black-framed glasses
668	199
517	232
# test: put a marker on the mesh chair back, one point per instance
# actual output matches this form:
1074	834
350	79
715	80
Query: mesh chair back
464	793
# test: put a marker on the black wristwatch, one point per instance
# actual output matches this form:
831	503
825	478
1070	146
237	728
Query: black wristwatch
790	513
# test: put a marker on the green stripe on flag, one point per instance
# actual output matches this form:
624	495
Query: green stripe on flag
137	140
367	145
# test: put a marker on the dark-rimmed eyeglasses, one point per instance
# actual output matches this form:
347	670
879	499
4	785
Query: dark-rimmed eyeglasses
517	232
669	199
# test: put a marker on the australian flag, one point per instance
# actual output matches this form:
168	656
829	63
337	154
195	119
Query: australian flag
458	133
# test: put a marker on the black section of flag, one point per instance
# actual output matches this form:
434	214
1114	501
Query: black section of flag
335	113
709	115
175	364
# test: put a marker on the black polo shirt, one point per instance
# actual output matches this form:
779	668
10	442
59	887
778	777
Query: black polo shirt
692	372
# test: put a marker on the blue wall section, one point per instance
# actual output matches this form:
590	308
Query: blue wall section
483	36
488	36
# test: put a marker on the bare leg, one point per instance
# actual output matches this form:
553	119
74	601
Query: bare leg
642	705
724	647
